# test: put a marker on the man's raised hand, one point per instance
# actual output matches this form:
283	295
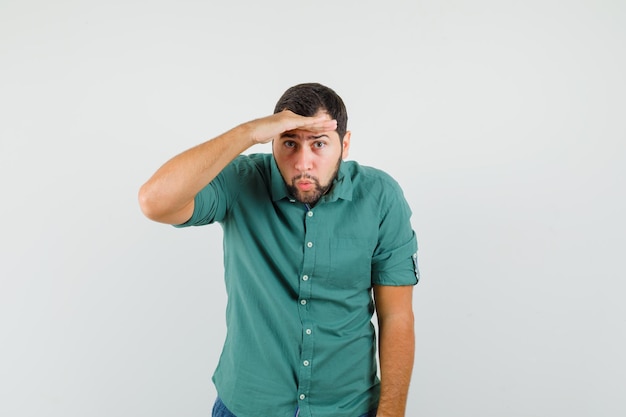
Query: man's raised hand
268	128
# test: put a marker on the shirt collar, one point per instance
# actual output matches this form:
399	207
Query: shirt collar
341	189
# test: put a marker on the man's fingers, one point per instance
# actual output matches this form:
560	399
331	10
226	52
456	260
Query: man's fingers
316	123
268	128
323	125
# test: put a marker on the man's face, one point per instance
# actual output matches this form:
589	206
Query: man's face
309	161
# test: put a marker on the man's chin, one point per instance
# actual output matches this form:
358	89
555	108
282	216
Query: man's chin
308	197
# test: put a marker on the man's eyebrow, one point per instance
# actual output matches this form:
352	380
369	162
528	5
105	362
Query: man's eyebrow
295	136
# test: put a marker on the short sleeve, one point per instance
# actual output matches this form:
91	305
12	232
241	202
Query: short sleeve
395	257
212	203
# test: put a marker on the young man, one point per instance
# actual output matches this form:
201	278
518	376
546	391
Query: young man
308	238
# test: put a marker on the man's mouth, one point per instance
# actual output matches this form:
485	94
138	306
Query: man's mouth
305	185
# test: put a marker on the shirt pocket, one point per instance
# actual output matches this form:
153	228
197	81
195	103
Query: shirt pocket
350	263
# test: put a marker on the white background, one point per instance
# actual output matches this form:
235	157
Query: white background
502	120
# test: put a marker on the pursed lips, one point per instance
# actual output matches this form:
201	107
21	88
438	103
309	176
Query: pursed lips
305	183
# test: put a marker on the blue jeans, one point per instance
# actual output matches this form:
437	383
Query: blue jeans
220	410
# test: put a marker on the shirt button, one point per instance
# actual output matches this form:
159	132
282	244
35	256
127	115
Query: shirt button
310	214
305	278
305	363
310	244
302	396
308	331
303	302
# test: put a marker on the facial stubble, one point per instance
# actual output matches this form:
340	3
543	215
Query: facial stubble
313	196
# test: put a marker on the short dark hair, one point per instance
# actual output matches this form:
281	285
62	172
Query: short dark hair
309	98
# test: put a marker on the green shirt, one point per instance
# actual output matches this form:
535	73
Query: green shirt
299	286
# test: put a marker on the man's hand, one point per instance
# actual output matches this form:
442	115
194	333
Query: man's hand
268	128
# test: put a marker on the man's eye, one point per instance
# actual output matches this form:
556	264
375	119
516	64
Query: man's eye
319	145
290	144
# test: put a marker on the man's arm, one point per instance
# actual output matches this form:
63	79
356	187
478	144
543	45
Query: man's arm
396	340
168	196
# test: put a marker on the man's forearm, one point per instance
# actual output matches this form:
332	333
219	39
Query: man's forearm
176	183
396	352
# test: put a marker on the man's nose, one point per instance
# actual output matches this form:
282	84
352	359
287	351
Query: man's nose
304	160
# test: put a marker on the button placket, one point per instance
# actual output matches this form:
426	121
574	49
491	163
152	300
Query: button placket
304	304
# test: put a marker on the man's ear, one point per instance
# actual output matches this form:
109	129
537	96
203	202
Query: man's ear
345	146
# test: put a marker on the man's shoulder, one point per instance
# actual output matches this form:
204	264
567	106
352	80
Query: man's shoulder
254	164
261	160
368	177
